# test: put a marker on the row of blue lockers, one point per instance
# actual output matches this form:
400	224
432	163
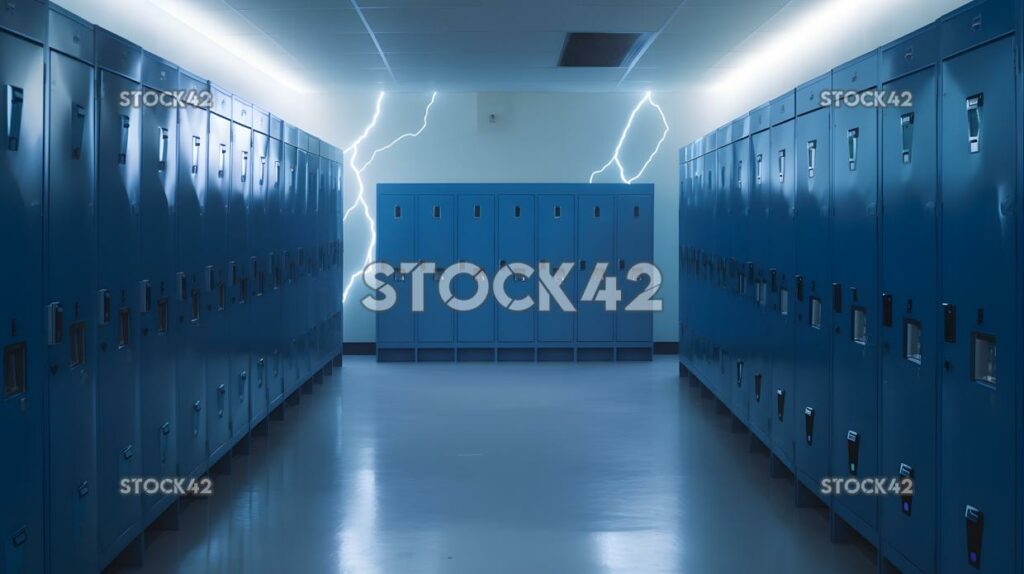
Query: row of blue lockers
497	225
848	274
176	274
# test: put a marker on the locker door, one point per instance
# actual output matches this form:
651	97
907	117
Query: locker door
156	209
21	240
759	379
260	328
721	330
435	242
814	311
980	398
214	287
71	296
275	235
698	323
396	216
309	167
738	289
191	331
289	265
854	434
634	239
117	364
516	244
238	288
476	245
781	173
683	249
556	244
596	247
908	328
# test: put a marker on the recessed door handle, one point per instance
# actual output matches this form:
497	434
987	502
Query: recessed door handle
15	103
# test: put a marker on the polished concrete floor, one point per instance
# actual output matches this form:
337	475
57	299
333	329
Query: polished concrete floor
519	468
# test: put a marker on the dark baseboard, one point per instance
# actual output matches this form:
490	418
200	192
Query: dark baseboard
666	348
360	348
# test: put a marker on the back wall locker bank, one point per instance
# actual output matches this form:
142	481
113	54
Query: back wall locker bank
891	253
153	243
508	231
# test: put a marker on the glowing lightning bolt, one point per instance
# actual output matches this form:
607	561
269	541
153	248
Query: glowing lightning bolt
353	152
647	99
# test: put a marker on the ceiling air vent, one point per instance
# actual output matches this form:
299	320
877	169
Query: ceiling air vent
596	50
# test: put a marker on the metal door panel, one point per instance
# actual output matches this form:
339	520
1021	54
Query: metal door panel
759	382
476	235
556	244
435	242
396	218
595	225
517	235
634	239
238	280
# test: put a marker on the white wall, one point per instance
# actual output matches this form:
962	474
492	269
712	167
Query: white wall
536	138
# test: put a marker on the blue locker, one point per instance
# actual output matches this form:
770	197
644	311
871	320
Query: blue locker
158	177
710	364
979	154
476	231
721	327
741	270
435	243
324	211
21	241
291	207
276	235
854	434
909	331
71	296
758	379
261	331
781	262
816	299
396	243
683	250
117	362
517	244
215	274
306	238
595	228
191	331
556	244
237	305
634	218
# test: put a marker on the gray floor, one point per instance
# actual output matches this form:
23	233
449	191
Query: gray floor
520	468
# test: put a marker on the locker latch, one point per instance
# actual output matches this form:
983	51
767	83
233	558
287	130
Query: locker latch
245	165
906	498
852	450
812	156
55	332
949	322
887	309
974	105
20	537
197	145
782	166
122	154
145	296
182	286
799	287
975	520
907	135
15	102
757	387
852	137
757	167
809	424
739	373
127	452
162	149
837	297
104	307
780	403
77	130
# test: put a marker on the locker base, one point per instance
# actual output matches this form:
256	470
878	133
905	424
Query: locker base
396	355
130	556
476	355
445	355
777	468
556	354
893	562
593	354
804	497
635	354
516	355
337	361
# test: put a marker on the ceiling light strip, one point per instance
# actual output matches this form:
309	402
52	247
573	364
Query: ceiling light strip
369	30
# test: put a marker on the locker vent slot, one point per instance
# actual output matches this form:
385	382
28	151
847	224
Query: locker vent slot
975	520
815	318
983	358
974	105
558	212
476	212
906	488
15	366
912	341
907	135
162	319
124	327
437	212
122	154
812	157
77	343
15	101
859	328
852	138
784	301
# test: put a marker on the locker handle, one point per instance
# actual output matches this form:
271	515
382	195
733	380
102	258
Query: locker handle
782	166
739	173
15	105
164	137
852	137
55	334
907	134
837	297
165	431
221	391
128	452
223	158
245	165
122	155
974	105
277	173
812	156
583	264
887	309
77	130
242	378
197	145
975	520
757	167
197	406
263	169
104	306
949	322
20	537
622	264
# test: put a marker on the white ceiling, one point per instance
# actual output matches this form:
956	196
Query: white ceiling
504	45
